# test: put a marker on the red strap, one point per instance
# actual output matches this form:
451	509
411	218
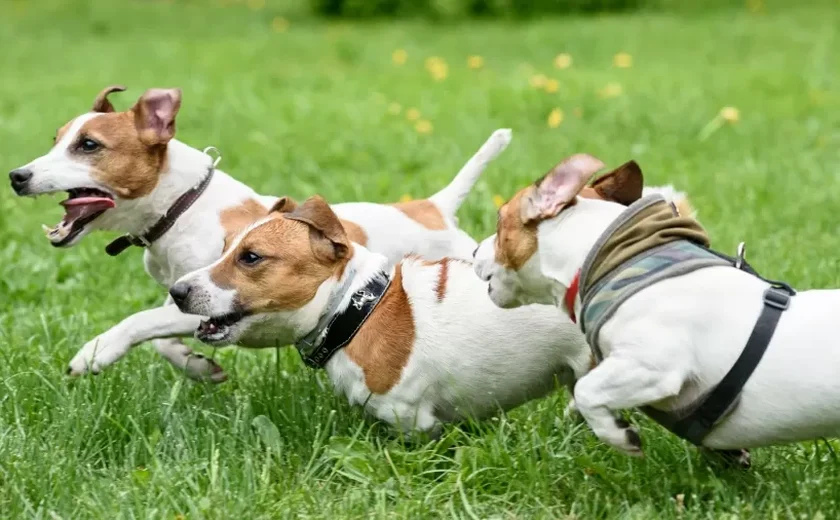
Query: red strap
571	294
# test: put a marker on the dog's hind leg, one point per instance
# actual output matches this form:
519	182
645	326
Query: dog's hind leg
617	384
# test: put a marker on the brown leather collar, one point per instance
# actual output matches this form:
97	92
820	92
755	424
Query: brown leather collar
164	223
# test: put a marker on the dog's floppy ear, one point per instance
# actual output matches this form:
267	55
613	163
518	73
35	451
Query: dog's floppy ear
623	185
326	234
101	103
154	115
284	205
559	187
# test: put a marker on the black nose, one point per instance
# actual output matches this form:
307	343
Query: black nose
19	178
179	293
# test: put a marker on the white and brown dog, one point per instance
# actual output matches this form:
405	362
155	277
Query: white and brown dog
671	342
433	347
124	171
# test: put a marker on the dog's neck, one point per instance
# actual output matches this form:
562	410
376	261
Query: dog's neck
186	167
334	295
565	240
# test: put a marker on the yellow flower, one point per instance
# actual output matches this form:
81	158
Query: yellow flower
755	6
406	198
438	68
498	201
563	61
730	114
412	114
538	80
394	109
578	112
555	118
423	127
399	57
256	5
611	90
622	60
180	517
279	24
475	62
551	86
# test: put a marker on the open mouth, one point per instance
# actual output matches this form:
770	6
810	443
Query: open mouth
82	206
217	329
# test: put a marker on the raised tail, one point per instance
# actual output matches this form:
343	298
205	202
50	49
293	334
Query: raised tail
449	199
679	198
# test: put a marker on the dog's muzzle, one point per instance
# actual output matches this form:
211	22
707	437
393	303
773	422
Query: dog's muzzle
20	179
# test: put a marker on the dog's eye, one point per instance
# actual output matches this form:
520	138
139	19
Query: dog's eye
249	258
88	145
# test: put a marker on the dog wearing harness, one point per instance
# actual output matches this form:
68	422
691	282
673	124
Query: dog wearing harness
719	355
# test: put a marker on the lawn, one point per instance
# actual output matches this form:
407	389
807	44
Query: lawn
301	107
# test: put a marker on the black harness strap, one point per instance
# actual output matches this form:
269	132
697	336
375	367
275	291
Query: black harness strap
699	422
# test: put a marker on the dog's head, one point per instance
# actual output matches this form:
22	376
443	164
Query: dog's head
509	261
101	159
277	269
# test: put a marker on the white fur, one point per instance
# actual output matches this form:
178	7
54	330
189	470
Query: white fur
675	340
469	359
197	238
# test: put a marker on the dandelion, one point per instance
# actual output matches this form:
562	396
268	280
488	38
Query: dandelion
611	90
399	57
394	109
406	198
475	62
730	114
555	118
412	114
256	5
437	68
622	60
280	24
498	201
538	81
423	127
563	61
552	86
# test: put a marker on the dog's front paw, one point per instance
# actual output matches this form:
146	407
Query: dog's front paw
626	438
97	353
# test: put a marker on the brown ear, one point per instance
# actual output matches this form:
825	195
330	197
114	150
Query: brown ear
154	115
101	103
559	187
326	235
284	205
623	185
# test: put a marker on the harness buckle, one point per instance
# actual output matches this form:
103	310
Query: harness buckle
776	298
217	154
740	255
141	241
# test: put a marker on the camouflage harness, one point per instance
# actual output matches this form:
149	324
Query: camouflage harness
651	242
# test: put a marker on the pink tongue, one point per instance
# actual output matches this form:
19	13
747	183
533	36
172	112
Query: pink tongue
83	206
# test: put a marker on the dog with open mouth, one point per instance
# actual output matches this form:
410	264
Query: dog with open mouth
125	171
417	343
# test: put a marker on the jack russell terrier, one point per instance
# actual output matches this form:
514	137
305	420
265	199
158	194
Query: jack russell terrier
415	344
715	353
124	171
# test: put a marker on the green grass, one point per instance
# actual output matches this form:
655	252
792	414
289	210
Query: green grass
306	111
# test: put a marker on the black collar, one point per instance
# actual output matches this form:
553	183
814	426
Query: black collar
338	329
165	222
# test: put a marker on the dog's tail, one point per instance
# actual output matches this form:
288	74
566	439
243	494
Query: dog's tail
449	199
679	198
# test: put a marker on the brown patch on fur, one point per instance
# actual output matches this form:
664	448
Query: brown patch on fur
440	289
290	272
684	208
383	345
237	218
63	130
101	103
123	163
354	232
424	212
